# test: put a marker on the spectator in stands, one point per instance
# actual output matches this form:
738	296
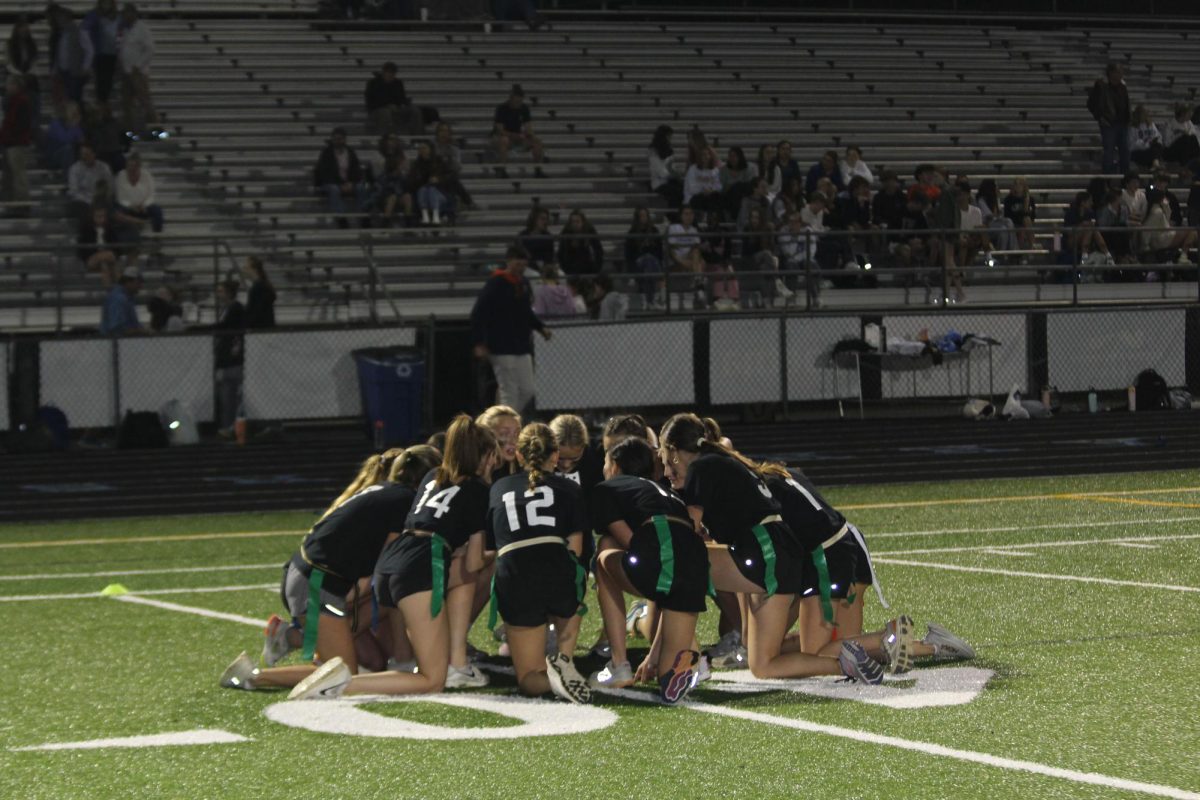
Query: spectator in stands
536	238
391	190
502	325
339	176
716	248
136	51
101	25
737	178
914	247
1181	137
1162	182
1133	201
702	183
1108	101
760	253
972	237
390	109
1145	140
20	58
783	169
1079	223
62	138
579	248
107	136
99	242
89	182
788	200
827	167
136	198
925	183
1000	227
425	177
664	167
1160	243
512	127
829	191
445	149
1113	219
228	356
166	314
697	144
119	316
766	156
852	212
888	205
683	246
389	147
852	165
757	199
609	304
260	297
643	256
1022	210
73	55
16	136
553	299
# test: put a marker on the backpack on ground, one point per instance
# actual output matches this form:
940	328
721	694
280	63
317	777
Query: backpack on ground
141	429
1152	391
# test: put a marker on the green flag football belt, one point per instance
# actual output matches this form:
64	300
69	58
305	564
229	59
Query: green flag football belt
312	614
770	583
823	582
439	551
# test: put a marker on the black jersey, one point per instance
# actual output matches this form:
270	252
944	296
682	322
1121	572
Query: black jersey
452	511
553	508
805	511
734	499
503	471
348	541
589	469
632	500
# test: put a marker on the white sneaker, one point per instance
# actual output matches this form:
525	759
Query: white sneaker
703	673
469	676
613	676
781	289
275	641
240	674
726	304
897	643
327	683
425	216
401	666
728	653
565	680
437	217
637	611
947	646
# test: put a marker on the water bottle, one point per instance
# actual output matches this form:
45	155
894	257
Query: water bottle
1093	401
1131	393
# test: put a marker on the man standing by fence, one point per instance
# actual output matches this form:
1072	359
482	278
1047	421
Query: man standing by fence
502	325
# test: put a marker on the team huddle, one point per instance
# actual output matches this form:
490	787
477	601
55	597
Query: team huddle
385	588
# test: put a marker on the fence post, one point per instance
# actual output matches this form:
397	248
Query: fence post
216	276
58	292
783	364
1074	283
809	289
116	381
430	350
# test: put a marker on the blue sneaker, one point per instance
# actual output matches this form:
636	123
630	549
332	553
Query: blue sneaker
858	666
680	678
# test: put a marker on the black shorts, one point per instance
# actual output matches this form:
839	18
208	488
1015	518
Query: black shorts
688	572
412	572
847	564
538	582
793	570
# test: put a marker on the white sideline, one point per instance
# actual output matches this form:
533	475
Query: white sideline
1027	545
200	736
1048	526
201	612
122	572
1042	575
927	748
22	598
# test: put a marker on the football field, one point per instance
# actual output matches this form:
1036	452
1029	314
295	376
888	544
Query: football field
1081	595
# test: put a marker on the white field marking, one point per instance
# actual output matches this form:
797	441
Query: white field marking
1040	575
1028	545
21	598
1138	545
183	537
947	686
123	572
1046	527
995	552
1014	498
926	748
342	717
201	612
200	736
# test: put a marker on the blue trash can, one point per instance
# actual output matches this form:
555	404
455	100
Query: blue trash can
392	383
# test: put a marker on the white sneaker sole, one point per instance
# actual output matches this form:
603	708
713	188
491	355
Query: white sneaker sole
899	648
566	682
327	683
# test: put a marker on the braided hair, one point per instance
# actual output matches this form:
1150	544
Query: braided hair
536	445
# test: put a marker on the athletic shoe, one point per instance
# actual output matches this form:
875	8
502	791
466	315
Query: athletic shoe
703	673
565	680
240	674
781	289
637	611
474	653
613	676
897	643
728	652
602	649
858	666
275	641
327	683
947	646
680	678
500	633
465	677
401	666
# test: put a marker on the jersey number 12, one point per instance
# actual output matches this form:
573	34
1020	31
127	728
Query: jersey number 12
543	497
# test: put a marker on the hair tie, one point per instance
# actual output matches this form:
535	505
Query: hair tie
699	443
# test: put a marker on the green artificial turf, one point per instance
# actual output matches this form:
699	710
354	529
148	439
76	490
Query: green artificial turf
1095	677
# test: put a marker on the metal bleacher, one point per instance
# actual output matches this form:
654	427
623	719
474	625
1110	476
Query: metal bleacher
249	103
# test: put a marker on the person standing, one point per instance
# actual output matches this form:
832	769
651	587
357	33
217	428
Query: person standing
120	312
136	50
229	356
16	135
1109	103
101	24
260	297
502	324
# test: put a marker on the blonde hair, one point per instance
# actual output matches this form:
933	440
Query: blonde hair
491	416
413	464
374	470
467	445
687	432
569	430
536	444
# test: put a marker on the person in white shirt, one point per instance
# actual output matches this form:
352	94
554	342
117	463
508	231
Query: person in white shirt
89	180
136	49
1157	239
972	233
1181	137
683	244
135	196
1145	140
853	166
702	183
1133	199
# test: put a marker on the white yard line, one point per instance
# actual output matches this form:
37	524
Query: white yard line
183	537
1029	545
46	576
1137	545
1039	575
155	740
23	598
200	612
995	552
1049	526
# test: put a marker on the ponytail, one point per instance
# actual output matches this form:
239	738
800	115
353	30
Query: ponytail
467	445
536	445
412	464
374	470
689	433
